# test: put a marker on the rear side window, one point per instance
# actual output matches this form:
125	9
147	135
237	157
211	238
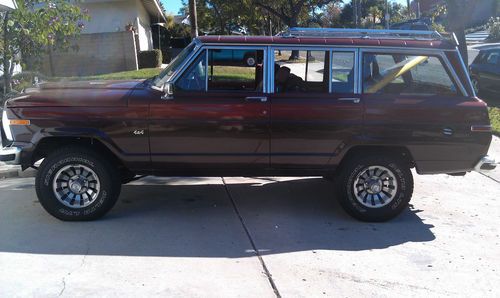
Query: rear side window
406	75
301	71
235	70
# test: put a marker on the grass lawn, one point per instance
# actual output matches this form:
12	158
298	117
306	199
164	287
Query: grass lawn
145	73
495	120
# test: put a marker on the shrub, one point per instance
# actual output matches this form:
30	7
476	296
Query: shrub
494	27
438	27
150	59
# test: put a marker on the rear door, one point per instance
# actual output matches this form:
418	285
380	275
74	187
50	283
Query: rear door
316	111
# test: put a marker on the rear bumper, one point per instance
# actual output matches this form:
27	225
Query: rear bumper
487	163
11	155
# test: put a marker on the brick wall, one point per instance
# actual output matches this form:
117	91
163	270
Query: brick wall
98	53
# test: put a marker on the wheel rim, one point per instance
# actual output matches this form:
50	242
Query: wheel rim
250	61
375	187
76	186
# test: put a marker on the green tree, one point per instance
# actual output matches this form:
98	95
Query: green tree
35	28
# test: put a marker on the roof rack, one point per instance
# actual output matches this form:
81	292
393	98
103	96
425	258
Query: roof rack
362	33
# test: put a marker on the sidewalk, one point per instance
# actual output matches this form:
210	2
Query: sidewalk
8	171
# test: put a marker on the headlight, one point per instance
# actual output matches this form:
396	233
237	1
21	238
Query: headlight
6	126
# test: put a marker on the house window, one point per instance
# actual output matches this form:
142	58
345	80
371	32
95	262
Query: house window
301	71
406	75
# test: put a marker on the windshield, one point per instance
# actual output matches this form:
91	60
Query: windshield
167	73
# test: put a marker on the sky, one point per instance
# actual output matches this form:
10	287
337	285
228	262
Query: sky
173	6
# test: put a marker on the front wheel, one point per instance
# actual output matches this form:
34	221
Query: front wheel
76	184
374	188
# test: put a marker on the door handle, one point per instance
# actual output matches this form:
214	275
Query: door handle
256	99
351	99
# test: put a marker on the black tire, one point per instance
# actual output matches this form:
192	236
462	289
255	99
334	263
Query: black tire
355	167
105	198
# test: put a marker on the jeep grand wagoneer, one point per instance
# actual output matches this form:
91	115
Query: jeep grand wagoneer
362	107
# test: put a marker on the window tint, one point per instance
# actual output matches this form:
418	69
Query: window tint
194	78
401	74
301	71
343	72
235	70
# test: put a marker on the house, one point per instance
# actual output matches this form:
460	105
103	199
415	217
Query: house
111	40
7	5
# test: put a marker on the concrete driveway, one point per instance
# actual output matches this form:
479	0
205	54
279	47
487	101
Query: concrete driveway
255	237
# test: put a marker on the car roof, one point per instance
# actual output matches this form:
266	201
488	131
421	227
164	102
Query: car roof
320	41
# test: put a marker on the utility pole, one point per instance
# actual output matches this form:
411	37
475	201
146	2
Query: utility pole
387	14
408	2
355	7
193	18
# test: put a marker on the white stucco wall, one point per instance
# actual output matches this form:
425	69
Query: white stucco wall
144	27
114	15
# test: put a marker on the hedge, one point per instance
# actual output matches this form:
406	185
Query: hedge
150	59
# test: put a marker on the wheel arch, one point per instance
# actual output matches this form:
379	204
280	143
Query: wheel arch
49	144
395	151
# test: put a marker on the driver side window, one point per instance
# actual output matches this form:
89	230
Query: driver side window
194	78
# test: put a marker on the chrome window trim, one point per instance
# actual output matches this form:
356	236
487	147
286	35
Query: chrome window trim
206	70
466	71
432	52
330	72
189	59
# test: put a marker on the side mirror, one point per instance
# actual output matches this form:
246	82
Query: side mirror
168	90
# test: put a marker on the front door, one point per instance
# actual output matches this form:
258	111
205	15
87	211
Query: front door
316	112
217	118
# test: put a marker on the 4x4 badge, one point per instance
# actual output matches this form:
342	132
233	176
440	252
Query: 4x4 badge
139	132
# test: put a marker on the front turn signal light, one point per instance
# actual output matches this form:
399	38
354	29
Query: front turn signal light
19	122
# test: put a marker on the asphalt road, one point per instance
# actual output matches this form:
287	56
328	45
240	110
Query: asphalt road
255	237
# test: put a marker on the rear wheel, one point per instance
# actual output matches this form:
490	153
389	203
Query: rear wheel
76	184
374	188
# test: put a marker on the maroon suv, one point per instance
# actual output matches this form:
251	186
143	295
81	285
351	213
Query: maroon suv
361	107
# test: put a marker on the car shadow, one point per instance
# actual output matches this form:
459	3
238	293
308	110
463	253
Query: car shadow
192	218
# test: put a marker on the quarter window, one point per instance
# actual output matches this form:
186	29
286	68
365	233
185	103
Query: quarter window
406	75
343	72
300	71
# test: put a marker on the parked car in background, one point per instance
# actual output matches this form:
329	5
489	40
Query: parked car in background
237	57
418	24
485	71
362	106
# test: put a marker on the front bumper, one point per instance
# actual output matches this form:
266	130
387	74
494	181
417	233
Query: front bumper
487	163
11	155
